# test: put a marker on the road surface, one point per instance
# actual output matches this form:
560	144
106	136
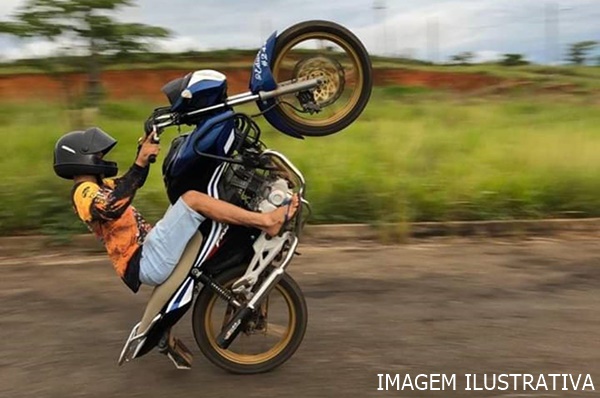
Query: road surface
440	306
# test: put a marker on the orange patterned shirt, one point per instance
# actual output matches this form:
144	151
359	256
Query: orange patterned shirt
107	211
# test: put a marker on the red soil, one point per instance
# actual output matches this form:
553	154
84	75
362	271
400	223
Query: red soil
432	79
146	84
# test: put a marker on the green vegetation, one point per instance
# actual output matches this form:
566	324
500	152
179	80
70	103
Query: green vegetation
513	60
579	52
413	156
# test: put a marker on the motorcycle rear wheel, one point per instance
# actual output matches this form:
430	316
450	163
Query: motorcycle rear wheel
322	63
207	321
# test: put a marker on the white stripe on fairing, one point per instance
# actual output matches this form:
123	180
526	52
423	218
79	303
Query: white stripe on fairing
215	195
212	240
216	228
174	299
210	235
188	294
187	286
66	148
229	141
216	191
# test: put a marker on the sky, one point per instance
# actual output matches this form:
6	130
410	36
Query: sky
425	29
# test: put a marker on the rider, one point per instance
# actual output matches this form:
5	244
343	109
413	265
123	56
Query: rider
141	254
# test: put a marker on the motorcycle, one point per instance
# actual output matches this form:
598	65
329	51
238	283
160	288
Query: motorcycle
249	315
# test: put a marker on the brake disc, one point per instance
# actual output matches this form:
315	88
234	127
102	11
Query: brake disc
327	69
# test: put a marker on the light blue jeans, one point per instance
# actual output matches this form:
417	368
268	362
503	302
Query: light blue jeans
166	242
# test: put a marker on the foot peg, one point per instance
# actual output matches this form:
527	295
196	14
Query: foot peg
177	352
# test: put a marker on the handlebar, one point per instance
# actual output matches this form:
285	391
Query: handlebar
151	128
165	118
155	140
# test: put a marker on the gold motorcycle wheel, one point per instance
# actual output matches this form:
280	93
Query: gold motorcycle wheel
326	51
268	340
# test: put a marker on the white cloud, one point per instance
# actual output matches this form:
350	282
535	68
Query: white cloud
487	56
179	44
440	29
8	7
31	49
481	26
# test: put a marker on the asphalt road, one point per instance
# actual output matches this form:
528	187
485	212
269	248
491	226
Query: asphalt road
450	306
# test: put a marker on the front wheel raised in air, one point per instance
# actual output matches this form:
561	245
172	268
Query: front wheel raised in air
327	51
269	339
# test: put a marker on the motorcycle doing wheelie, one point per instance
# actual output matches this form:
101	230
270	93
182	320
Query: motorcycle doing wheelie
249	315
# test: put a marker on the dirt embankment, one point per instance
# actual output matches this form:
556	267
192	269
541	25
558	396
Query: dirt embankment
433	79
127	84
146	84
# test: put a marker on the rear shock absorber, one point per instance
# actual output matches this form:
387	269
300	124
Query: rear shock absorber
241	316
218	289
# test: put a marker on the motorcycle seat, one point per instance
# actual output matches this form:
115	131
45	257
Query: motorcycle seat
161	294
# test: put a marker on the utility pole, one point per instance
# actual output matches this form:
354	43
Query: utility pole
552	35
433	40
379	7
552	24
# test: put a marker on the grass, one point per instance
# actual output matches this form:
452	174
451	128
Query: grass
414	155
435	161
583	77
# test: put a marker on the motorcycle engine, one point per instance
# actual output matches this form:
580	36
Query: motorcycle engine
254	189
276	194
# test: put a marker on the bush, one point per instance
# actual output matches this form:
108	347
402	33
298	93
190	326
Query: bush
513	60
434	159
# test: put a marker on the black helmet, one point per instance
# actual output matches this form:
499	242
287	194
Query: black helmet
76	153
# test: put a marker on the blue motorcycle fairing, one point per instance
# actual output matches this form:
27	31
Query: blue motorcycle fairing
214	135
262	79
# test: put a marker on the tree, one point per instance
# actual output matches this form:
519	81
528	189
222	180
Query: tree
578	52
463	58
513	60
86	26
